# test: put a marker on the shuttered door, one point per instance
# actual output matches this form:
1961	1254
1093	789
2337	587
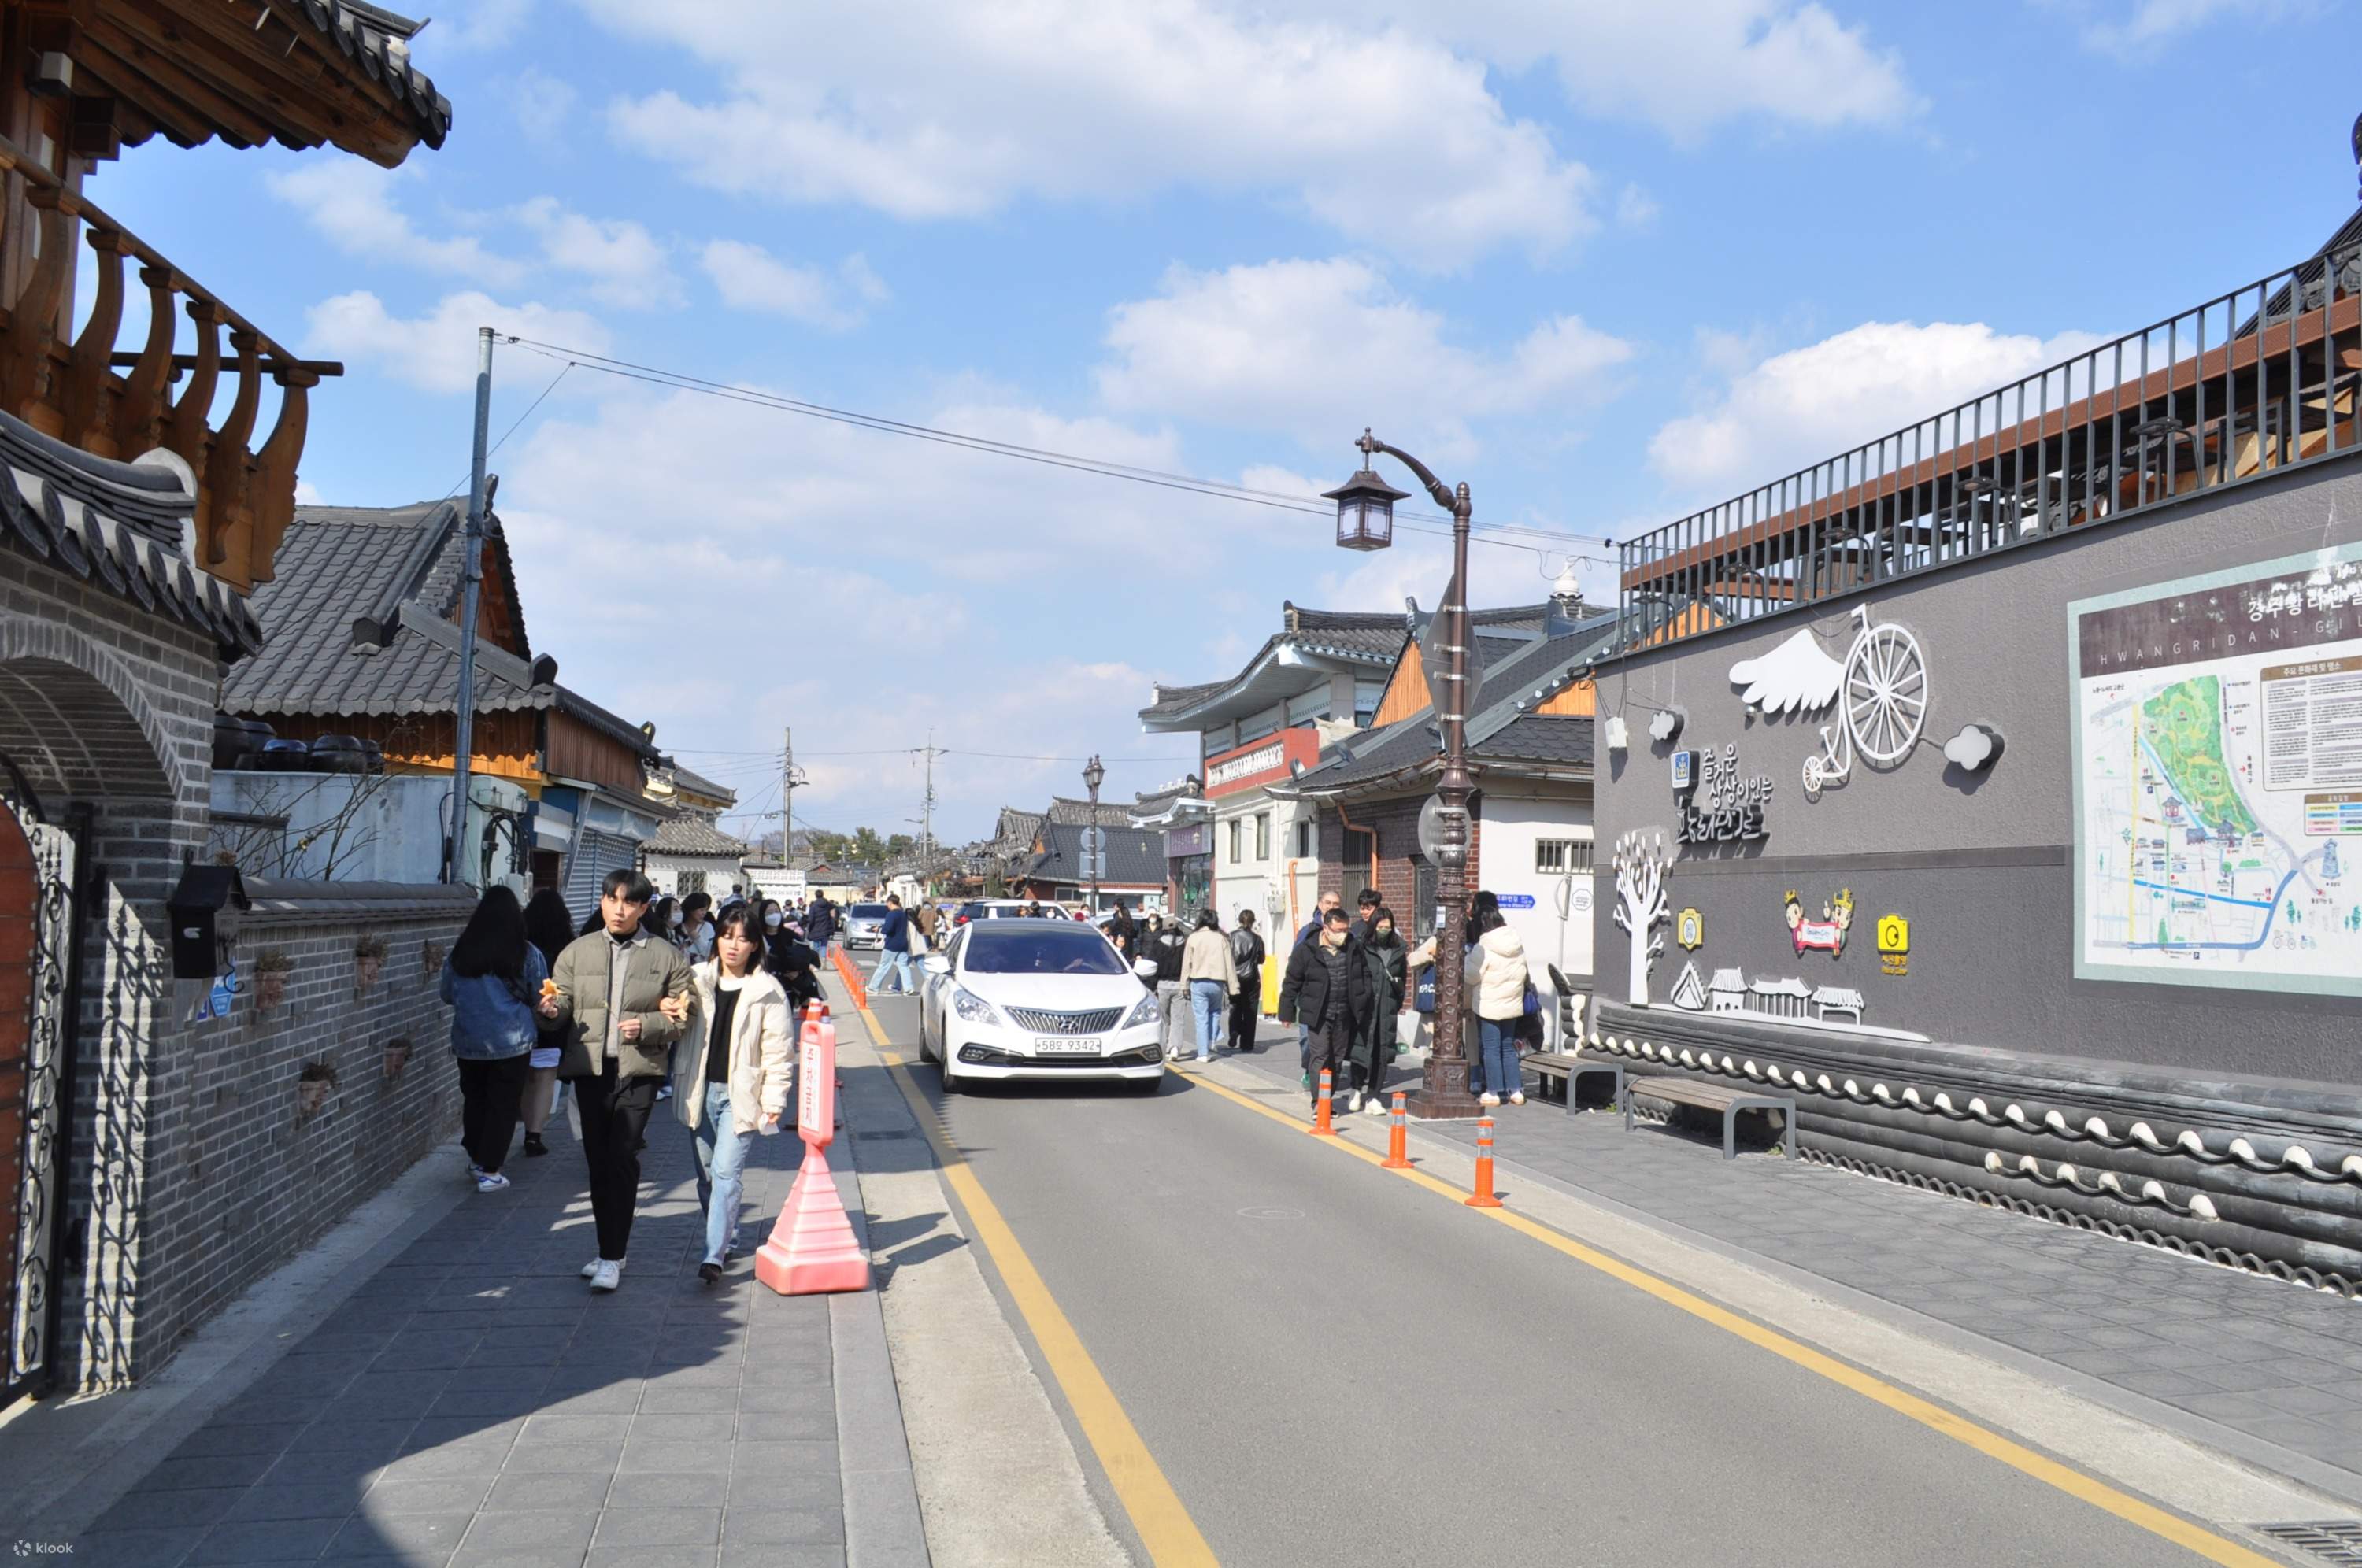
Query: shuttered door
595	855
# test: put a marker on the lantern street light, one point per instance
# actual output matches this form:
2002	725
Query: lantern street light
1094	839
1365	522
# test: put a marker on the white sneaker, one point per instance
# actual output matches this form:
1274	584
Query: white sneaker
591	1269
1374	1108
1516	1097
1488	1098
490	1181
607	1276
1353	1100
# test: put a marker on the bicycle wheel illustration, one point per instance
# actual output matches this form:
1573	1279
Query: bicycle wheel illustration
1885	697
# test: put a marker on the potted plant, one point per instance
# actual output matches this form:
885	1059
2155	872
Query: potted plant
272	967
312	1086
368	959
397	1057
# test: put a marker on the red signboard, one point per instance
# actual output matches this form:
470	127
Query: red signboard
1261	762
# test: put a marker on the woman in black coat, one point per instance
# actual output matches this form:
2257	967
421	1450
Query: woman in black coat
1385	954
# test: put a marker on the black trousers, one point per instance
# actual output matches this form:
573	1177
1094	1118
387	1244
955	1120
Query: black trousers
615	1116
1327	1047
1246	1011
489	1095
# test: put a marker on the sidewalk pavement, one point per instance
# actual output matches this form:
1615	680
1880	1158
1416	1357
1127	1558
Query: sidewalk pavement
474	1403
2268	1372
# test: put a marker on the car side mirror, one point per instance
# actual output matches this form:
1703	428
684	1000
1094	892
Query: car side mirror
937	963
1144	967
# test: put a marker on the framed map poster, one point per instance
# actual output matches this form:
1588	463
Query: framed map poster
2218	778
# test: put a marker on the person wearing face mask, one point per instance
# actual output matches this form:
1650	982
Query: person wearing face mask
1327	992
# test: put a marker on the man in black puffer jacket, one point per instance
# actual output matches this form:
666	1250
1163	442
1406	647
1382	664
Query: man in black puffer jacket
1327	991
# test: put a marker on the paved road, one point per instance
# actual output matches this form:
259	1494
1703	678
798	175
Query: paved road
1333	1366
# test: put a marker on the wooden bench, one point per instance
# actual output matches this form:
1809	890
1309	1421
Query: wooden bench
1713	1097
1557	1069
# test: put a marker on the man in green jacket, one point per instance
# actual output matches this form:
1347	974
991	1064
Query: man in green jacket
621	997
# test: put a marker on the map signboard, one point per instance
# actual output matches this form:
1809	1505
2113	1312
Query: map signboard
2218	778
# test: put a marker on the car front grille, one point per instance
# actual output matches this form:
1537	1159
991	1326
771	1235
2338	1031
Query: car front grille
1034	1020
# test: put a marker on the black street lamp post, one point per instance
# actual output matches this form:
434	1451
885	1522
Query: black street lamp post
1365	522
1094	775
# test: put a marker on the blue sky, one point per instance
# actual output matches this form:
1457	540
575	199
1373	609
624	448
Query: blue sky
1605	262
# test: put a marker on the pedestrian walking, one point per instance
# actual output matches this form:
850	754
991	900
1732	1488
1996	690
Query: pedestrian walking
1212	977
924	919
491	981
1123	931
819	922
549	928
1246	958
1365	907
1164	945
1326	991
663	918
894	950
1497	978
1386	956
739	1065
624	998
792	961
1307	935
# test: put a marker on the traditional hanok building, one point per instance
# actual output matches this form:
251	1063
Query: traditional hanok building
1530	749
689	852
144	493
2061	689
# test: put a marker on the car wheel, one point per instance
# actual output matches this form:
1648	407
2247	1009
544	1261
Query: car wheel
924	1054
951	1082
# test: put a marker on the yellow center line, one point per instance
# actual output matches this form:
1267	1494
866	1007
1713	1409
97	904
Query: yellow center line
2170	1526
1157	1515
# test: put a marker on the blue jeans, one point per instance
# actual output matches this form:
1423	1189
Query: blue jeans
899	963
720	1171
1206	1001
1497	1041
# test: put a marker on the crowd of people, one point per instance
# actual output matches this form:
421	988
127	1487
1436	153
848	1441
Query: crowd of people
654	998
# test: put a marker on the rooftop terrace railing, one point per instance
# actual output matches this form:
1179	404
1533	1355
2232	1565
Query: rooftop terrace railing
2261	379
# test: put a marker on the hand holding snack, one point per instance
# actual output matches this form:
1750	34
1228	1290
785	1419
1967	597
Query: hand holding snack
548	1008
675	1008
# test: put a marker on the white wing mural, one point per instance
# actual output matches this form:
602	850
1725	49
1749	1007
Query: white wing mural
1794	677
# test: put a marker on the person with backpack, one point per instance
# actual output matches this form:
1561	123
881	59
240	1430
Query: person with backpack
820	923
491	980
1246	957
1164	945
738	1066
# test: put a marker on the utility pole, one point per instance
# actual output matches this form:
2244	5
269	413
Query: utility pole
786	792
471	582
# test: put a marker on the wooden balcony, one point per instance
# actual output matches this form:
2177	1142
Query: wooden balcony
123	402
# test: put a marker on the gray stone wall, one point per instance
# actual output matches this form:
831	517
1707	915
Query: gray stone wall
1979	863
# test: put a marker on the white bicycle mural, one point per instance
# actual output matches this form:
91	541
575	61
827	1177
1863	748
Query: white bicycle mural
1880	689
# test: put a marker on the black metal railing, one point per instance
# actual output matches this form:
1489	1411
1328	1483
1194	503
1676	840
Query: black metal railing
2260	380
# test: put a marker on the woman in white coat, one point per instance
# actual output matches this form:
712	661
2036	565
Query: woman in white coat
1497	976
733	1073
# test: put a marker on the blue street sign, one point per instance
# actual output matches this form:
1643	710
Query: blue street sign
1517	900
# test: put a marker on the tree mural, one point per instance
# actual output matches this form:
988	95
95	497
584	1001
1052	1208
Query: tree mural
1640	865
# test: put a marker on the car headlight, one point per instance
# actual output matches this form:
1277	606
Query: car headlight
972	1007
1144	1014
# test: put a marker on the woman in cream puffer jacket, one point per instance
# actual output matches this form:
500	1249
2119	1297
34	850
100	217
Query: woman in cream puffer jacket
727	1089
1497	976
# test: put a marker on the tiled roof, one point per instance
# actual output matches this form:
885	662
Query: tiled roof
118	526
1079	813
378	40
695	835
1566	742
1135	856
697	784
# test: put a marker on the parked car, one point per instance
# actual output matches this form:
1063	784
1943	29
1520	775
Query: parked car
989	909
864	926
1032	1000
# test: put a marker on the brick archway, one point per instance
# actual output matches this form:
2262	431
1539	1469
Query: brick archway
73	715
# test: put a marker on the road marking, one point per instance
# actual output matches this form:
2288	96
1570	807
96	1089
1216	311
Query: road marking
2170	1526
1157	1513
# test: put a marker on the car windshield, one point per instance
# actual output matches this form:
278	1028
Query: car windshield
867	911
1037	947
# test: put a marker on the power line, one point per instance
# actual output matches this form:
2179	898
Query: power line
520	420
1219	489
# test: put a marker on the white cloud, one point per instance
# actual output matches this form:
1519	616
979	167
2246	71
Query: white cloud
1682	68
2151	25
437	352
1811	404
750	277
351	205
1635	208
1320	348
625	264
543	104
954	110
480	25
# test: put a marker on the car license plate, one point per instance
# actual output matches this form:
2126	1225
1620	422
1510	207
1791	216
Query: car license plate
1062	1046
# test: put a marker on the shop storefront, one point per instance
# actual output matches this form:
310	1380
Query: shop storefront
1189	867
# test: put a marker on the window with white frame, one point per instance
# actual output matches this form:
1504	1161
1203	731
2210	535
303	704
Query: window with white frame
1555	857
1235	840
1303	841
1262	836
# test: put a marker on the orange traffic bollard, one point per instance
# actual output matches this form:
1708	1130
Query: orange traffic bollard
1322	1125
851	977
1484	1197
1399	1135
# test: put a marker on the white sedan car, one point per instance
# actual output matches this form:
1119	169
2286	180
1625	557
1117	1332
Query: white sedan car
1036	999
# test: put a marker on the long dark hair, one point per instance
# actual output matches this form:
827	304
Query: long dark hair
747	921
548	925
493	941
